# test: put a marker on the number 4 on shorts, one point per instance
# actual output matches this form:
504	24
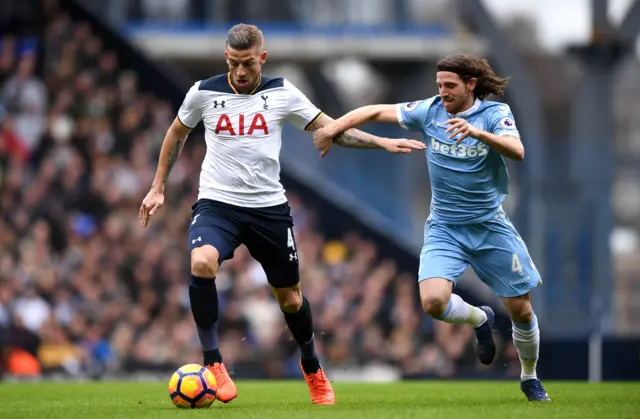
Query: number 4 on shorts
290	243
516	266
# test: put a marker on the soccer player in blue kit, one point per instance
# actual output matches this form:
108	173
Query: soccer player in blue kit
467	138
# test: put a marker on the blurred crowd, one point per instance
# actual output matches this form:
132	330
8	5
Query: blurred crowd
85	290
307	12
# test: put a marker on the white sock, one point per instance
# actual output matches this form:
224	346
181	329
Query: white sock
460	312
526	339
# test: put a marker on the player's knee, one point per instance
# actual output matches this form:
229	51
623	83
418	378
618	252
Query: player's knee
289	299
434	296
435	304
204	261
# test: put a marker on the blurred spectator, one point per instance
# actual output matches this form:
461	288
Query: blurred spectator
23	96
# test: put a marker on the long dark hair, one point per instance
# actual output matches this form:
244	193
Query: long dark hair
469	67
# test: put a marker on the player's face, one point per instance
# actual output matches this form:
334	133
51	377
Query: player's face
456	94
245	67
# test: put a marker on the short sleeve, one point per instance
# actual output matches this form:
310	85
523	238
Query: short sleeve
300	111
501	122
412	116
190	113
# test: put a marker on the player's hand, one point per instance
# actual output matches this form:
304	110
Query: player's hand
322	140
150	205
459	126
401	146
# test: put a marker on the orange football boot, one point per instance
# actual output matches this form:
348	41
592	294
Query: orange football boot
319	387
227	390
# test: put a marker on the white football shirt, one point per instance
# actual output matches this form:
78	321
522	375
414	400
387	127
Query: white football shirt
243	133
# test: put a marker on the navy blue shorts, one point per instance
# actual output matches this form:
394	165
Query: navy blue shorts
266	232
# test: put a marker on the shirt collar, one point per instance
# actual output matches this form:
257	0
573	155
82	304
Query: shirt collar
472	109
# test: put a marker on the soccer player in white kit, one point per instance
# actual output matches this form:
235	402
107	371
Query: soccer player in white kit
241	199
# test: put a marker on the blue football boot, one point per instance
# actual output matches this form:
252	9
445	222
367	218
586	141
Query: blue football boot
485	346
534	391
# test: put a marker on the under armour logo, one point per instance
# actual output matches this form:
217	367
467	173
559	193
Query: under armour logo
215	104
199	239
195	219
264	97
293	256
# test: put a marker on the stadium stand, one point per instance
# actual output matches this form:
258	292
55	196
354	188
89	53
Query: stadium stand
85	291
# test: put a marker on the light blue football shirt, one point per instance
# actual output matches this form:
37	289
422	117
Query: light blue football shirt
469	180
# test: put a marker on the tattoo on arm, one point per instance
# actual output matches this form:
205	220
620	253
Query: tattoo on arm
174	153
353	138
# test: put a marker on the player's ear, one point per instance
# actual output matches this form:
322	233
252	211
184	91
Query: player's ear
472	83
263	57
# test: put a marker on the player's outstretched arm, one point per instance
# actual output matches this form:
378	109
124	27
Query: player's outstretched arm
327	131
172	145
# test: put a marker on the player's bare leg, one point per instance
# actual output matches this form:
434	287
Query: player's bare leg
297	314
438	300
204	306
526	339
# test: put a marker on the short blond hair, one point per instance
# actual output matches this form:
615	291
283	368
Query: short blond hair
243	37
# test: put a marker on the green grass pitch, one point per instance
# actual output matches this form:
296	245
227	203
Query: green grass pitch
290	400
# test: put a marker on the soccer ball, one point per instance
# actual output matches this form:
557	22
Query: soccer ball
192	386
